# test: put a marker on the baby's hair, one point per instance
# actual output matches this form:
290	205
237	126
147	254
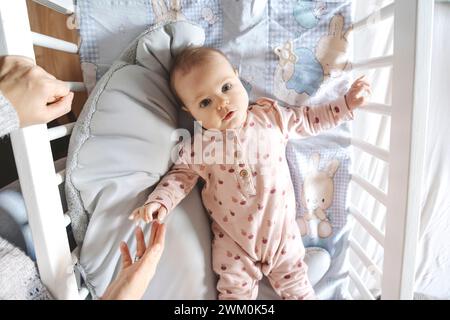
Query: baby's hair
189	58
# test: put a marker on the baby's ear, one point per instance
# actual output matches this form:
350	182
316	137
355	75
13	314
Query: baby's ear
185	109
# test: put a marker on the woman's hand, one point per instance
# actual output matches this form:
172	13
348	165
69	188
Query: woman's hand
134	276
358	94
37	96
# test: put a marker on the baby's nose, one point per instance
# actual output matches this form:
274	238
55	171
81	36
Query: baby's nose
222	103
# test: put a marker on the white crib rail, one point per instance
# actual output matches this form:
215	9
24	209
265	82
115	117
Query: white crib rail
411	98
367	225
373	63
378	108
53	43
411	62
60	131
33	156
61	6
375	17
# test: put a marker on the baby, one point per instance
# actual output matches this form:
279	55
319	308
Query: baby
248	191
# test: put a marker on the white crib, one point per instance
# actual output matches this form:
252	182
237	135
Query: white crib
410	64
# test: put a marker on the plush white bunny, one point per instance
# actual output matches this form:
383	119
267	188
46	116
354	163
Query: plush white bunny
331	50
317	196
162	12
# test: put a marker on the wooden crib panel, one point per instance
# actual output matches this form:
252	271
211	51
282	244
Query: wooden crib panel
64	66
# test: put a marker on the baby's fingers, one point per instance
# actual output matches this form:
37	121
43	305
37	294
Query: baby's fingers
162	212
134	215
358	91
150	211
145	214
360	78
361	101
361	84
364	91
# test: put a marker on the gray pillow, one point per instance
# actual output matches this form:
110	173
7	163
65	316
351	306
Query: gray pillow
121	146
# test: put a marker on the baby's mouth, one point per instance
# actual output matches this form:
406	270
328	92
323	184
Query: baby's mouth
229	115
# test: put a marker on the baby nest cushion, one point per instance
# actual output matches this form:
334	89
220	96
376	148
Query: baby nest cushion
121	146
320	169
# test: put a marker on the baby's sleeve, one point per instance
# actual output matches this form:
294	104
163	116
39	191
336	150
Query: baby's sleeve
176	184
306	121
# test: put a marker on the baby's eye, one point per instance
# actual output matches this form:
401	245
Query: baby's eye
323	200
227	87
204	103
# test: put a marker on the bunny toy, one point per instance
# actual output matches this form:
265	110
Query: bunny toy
317	196
163	12
331	50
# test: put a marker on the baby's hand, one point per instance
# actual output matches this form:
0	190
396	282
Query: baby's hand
358	94
149	212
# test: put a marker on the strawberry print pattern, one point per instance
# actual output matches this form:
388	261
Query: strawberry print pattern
254	227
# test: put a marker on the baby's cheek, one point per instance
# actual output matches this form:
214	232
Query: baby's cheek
211	124
326	204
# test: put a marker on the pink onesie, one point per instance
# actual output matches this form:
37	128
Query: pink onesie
249	195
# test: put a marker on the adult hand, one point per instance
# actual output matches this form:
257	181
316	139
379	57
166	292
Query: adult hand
37	96
134	277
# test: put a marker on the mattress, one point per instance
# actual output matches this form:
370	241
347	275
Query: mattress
293	51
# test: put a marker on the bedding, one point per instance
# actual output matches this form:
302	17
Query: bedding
432	276
294	52
120	147
308	160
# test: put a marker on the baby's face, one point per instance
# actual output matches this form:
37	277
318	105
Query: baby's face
213	94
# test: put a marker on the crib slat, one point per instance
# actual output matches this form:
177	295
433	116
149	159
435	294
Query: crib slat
370	188
53	43
379	15
411	92
374	63
378	108
76	86
61	6
375	151
360	285
83	292
60	131
67	219
60	177
75	255
370	265
368	225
